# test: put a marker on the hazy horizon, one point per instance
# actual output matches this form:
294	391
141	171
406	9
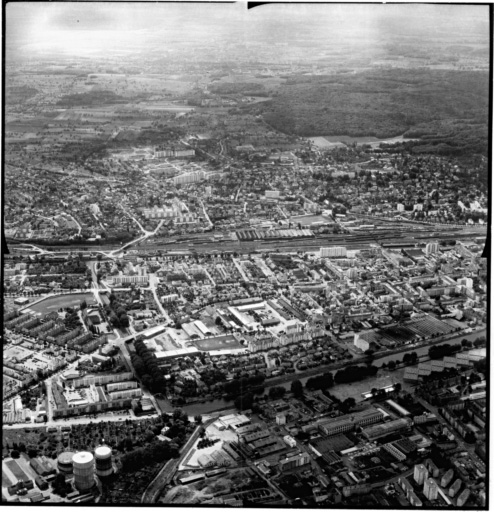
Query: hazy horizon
80	29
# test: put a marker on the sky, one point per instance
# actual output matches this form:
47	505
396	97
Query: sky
86	28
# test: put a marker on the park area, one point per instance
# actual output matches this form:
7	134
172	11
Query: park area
50	304
384	378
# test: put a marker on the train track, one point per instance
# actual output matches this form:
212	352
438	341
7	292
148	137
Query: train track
388	238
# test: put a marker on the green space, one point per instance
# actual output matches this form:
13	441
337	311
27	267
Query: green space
219	343
62	301
447	110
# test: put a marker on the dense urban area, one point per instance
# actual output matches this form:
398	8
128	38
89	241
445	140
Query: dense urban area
248	272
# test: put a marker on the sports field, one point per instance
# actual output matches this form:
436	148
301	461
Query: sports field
61	301
18	352
218	343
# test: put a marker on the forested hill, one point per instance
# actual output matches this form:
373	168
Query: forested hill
442	107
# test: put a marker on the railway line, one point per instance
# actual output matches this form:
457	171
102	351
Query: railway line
387	238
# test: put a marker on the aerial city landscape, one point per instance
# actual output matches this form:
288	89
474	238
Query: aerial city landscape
244	255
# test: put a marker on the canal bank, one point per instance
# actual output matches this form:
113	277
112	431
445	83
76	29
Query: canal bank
342	391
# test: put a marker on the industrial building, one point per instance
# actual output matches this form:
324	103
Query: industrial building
377	431
398	408
233	421
103	461
350	421
83	468
333	252
64	462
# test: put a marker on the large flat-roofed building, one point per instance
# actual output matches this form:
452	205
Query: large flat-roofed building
173	151
332	252
159	213
398	408
118	280
336	426
376	431
191	177
350	421
272	194
234	421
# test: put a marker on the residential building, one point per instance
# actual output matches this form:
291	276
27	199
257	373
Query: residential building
420	473
430	489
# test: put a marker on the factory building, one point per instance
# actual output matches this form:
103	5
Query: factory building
64	462
103	460
377	431
83	466
333	252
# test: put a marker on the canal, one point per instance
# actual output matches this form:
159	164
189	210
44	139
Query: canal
342	391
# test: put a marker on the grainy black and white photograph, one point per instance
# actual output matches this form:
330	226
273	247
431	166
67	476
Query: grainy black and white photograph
245	256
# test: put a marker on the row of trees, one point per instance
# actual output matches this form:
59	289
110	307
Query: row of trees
324	381
146	367
117	313
440	351
240	386
354	373
158	451
246	400
410	358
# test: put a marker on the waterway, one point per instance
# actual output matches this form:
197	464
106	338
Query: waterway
342	391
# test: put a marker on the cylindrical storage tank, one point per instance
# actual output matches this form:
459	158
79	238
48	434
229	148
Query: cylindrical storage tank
64	462
102	456
83	464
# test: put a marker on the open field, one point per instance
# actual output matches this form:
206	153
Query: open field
322	142
16	470
307	220
16	351
62	301
226	342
